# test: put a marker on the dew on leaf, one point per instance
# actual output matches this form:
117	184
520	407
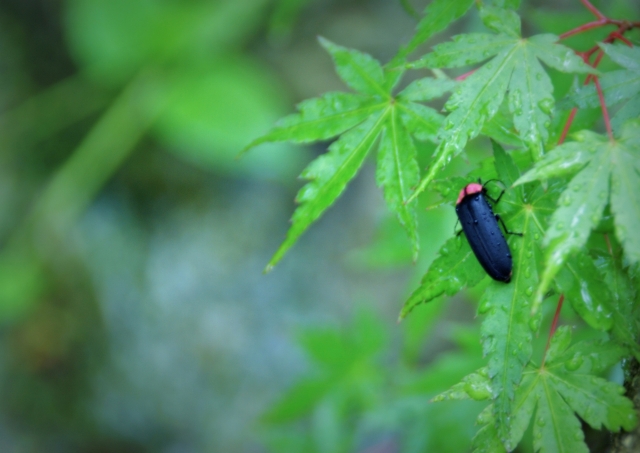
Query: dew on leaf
484	307
516	99
546	105
534	323
574	362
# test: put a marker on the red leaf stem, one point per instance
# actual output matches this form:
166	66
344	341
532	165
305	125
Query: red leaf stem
593	9
605	111
623	26
590	26
554	326
460	78
567	125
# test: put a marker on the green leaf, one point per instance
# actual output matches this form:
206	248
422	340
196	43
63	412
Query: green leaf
626	325
531	102
589	357
486	439
321	119
523	406
514	68
422	121
455	268
501	20
426	89
506	335
398	173
298	400
564	388
580	210
557	56
358	70
563	160
476	386
501	129
630	110
507	172
506	339
581	283
621	86
625	189
437	16
555	428
329	175
612	172
625	56
361	121
464	50
513	4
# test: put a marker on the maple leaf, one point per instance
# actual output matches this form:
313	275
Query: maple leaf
606	171
371	116
568	385
515	68
619	87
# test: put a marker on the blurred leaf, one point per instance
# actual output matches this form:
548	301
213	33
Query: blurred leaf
22	281
298	401
53	109
285	14
212	108
115	39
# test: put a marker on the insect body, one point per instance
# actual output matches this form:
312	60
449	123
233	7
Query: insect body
480	226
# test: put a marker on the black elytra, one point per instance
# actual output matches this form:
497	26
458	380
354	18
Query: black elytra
480	226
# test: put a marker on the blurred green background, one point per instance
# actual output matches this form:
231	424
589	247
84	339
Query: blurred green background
134	315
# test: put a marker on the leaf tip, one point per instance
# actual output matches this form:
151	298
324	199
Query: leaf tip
324	42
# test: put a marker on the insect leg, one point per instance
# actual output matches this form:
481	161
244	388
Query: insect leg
504	227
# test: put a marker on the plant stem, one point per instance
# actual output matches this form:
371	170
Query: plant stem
593	9
554	326
605	111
